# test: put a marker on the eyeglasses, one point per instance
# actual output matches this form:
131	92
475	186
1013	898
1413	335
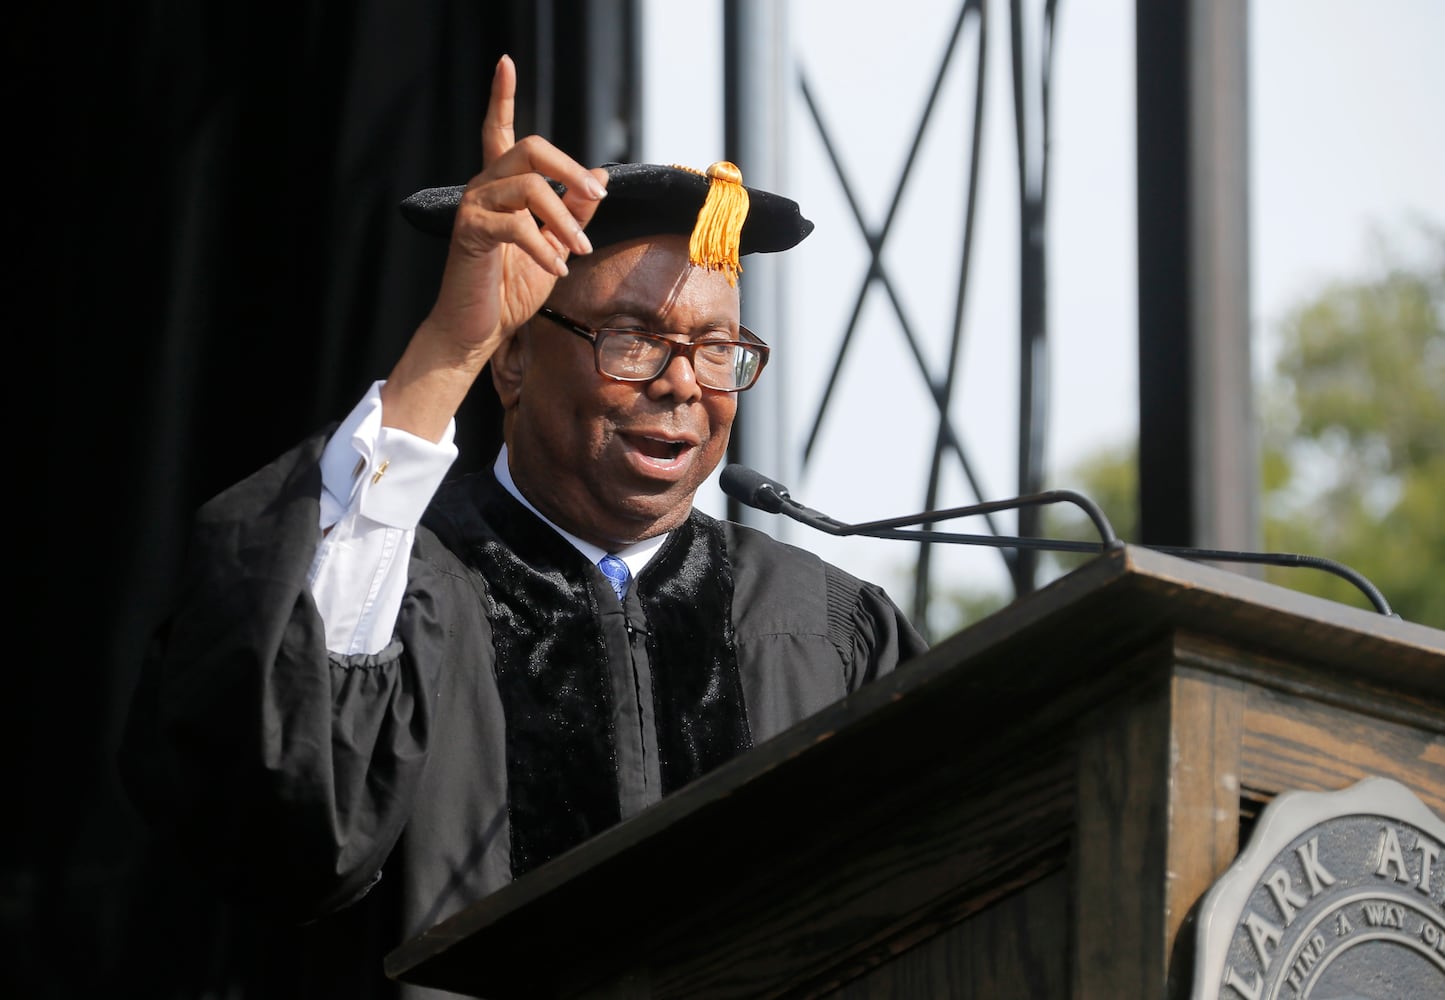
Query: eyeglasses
640	356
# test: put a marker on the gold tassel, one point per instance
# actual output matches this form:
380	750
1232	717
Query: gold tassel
719	227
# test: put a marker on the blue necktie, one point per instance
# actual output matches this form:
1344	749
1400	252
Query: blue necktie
616	572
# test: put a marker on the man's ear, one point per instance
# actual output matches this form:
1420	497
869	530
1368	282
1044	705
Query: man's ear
508	364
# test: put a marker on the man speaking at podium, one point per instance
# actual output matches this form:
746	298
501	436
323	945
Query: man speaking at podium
382	684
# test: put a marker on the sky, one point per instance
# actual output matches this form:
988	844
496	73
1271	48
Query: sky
1346	146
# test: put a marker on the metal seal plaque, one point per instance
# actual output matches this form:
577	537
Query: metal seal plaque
1337	896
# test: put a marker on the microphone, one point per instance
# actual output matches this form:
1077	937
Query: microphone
758	491
754	489
770	496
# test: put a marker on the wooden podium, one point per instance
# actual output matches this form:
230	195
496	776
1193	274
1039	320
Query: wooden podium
1030	810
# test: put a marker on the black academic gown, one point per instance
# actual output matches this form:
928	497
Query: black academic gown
519	709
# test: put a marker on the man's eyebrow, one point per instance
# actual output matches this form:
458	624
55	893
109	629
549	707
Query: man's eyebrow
649	317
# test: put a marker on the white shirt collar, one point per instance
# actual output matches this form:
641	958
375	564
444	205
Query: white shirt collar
637	555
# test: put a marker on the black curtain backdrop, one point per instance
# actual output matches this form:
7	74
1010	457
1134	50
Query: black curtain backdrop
211	252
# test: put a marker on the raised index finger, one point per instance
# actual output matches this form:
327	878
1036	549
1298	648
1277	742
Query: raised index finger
498	135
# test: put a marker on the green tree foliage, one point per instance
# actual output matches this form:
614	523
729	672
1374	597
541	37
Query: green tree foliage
1352	435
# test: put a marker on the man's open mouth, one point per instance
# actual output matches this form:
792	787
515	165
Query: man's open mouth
659	448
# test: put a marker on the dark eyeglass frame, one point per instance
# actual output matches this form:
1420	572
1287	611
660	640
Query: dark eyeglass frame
684	348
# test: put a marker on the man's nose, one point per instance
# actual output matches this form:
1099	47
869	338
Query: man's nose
678	379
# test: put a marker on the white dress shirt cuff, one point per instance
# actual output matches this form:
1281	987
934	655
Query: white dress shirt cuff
385	474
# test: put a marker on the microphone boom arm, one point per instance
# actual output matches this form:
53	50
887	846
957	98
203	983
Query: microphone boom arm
1108	540
768	495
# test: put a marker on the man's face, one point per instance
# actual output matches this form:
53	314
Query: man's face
615	462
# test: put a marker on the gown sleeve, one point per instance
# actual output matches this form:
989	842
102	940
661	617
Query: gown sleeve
284	772
873	636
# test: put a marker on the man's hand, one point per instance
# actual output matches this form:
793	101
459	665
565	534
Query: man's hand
501	265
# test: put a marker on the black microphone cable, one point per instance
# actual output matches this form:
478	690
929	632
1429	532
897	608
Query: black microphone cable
761	493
